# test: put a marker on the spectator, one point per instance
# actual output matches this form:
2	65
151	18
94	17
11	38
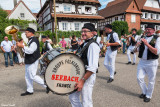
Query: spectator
7	47
21	59
63	43
74	43
81	41
14	52
124	44
69	42
49	40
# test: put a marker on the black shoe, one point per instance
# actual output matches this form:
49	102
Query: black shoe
133	63
97	71
128	63
147	99
12	65
115	73
26	93
7	66
47	90
110	80
142	96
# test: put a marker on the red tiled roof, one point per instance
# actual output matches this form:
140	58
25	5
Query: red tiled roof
78	16
94	1
115	8
150	21
8	11
151	9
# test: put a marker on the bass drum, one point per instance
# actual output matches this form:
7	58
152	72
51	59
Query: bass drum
63	72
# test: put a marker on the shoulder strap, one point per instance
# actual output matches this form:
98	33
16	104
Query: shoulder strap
86	46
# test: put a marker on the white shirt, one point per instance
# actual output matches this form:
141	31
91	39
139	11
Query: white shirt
115	37
93	57
136	38
157	46
48	45
6	45
30	49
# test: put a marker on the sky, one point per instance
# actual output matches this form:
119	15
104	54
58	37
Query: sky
34	5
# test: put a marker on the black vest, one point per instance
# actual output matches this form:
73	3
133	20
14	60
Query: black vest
150	55
31	58
132	42
45	48
113	48
85	52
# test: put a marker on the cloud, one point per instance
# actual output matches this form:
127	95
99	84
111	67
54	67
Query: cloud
33	5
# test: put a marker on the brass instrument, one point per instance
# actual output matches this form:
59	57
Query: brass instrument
12	30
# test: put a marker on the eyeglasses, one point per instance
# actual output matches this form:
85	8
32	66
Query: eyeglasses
85	31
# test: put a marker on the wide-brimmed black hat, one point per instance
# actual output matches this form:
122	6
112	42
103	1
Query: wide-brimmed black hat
89	26
108	26
151	26
30	30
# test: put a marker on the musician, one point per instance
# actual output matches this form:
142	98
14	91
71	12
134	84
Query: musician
132	39
32	54
90	57
47	46
149	51
112	46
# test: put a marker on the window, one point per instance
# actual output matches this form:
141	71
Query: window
145	15
67	8
22	15
133	18
77	26
64	26
116	18
88	9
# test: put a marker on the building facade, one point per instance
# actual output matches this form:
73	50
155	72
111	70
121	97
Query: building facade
137	13
71	14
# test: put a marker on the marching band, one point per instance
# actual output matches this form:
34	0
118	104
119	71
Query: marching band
148	48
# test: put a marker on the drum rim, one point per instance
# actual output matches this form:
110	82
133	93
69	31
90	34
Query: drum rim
47	67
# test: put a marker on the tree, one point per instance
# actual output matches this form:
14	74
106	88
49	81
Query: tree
121	27
3	14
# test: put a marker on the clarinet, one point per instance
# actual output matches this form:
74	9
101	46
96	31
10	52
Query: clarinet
138	45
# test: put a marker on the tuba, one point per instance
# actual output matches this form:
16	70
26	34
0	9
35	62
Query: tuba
12	30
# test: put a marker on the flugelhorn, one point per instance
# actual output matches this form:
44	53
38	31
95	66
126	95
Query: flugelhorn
13	30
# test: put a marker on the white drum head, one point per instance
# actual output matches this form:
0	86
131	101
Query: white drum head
63	72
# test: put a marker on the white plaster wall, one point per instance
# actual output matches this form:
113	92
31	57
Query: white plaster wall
152	3
22	9
33	25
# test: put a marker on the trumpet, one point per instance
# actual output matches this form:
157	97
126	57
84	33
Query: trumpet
12	30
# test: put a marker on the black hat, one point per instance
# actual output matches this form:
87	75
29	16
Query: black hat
43	36
134	29
89	26
108	26
30	30
151	26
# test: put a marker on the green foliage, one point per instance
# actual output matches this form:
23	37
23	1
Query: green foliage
121	27
67	34
3	14
139	32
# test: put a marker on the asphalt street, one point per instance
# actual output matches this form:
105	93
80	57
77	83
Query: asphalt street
122	92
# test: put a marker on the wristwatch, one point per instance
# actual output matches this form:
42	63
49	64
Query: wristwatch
83	79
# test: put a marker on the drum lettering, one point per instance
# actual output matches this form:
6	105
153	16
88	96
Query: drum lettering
53	77
74	64
64	78
76	79
64	85
72	78
57	66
